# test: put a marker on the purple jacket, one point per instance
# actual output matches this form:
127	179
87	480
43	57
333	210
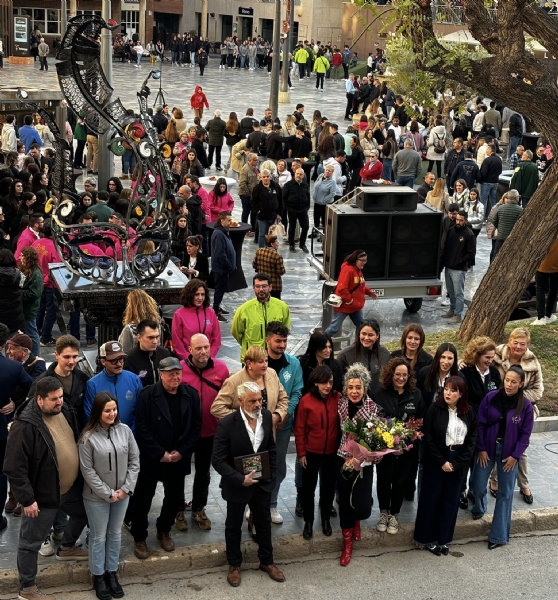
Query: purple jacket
518	429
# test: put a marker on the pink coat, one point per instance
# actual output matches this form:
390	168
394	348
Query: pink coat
215	373
218	204
27	238
189	321
47	254
204	195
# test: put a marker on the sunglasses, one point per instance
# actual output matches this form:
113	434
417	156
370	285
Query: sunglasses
115	361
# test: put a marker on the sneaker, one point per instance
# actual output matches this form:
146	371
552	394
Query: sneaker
201	519
73	553
381	526
165	541
449	314
48	343
445	302
47	547
550	319
455	319
393	525
221	317
276	516
127	525
180	522
304	249
247	514
140	550
33	594
541	321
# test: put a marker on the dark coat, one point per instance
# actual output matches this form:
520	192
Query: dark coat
30	462
145	364
400	406
154	428
11	298
197	145
223	255
231	440
423	359
33	366
296	196
434	427
476	388
374	362
267	202
12	377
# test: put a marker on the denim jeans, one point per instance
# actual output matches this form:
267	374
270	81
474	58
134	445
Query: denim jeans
263	228
175	57
281	445
30	328
408	181
501	520
338	318
47	313
75	316
386	171
488	192
246	208
193	58
514	143
252	62
105	534
242	61
129	162
138	59
455	284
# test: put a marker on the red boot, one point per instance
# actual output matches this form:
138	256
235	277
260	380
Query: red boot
347	547
356	532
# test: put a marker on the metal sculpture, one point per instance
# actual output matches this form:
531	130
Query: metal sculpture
88	93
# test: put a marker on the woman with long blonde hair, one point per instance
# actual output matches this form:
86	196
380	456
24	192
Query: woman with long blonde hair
139	306
438	197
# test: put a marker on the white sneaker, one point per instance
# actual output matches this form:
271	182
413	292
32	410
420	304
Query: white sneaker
382	523
393	525
445	302
247	515
539	321
550	319
47	547
275	516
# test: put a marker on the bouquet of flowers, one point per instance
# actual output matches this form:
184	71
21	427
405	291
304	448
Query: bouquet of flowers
372	439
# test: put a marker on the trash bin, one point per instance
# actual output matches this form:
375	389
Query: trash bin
327	310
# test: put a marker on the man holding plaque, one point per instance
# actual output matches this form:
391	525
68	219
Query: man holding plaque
244	455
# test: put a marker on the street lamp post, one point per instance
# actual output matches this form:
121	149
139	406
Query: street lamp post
274	90
288	46
105	161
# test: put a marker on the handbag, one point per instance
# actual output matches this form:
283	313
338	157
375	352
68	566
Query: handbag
336	301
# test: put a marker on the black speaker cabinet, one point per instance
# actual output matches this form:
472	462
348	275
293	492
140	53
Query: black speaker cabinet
377	198
400	245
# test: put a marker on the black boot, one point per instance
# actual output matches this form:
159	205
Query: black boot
326	527
298	509
100	587
113	584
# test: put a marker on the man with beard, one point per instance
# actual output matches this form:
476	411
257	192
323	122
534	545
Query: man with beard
459	250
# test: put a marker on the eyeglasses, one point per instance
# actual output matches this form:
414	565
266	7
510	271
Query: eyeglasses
401	376
115	361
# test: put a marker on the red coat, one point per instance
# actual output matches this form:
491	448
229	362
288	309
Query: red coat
198	99
371	171
336	59
349	278
317	424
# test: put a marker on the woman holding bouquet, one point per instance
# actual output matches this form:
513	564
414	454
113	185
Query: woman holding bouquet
400	399
317	437
355	487
450	435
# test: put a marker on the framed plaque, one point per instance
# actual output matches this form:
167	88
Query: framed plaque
258	462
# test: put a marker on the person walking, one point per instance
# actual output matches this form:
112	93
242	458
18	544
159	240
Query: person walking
321	67
109	463
44	51
223	260
268	260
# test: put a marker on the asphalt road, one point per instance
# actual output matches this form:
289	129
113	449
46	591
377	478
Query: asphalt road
526	568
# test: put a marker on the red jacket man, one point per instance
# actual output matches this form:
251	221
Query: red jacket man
372	170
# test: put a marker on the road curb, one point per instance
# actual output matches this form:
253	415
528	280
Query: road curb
286	547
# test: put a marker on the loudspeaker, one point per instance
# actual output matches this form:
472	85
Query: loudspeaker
377	198
400	245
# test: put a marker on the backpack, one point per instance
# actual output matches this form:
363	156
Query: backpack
439	144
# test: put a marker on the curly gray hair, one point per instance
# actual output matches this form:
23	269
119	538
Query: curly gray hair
357	371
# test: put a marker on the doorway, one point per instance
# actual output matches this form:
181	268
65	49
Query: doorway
247	23
267	30
226	26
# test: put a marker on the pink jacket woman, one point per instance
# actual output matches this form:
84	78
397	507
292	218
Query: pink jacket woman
188	321
218	204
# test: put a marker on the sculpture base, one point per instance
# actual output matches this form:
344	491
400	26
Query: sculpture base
284	97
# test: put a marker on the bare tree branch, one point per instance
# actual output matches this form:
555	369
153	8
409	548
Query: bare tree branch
538	24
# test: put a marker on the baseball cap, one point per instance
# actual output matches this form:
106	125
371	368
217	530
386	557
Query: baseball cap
170	364
111	350
20	339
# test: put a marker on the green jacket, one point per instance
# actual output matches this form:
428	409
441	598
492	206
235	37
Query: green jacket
32	292
251	319
321	64
525	179
79	133
301	56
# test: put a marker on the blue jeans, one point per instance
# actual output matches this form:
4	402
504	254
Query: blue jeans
242	62
175	57
488	192
246	208
501	520
193	58
138	59
409	181
129	162
252	62
30	328
263	228
282	445
105	534
455	284
75	316
338	318
514	143
386	171
47	313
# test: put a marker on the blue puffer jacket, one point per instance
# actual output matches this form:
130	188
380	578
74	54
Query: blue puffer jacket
293	382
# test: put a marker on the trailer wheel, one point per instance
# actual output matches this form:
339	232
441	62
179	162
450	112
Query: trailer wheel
413	304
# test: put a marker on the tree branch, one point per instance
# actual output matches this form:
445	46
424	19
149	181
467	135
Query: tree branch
539	25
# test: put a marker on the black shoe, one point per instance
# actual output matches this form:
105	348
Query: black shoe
3	523
100	587
444	549
410	496
304	249
463	502
113	585
434	549
307	533
298	508
292	249
471	496
221	317
326	528
492	545
224	311
477	517
333	512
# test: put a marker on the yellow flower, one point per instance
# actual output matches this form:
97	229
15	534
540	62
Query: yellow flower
388	439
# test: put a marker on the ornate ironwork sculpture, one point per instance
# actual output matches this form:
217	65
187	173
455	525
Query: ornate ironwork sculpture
88	93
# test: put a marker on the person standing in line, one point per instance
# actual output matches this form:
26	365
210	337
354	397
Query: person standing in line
44	51
268	260
109	463
223	260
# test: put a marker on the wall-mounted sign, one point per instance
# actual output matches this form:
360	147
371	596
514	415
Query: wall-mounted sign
246	12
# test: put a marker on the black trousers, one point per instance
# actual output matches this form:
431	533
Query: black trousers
275	294
260	508
172	477
302	217
355	494
546	282
413	470
438	164
78	159
438	505
217	150
392	475
221	281
319	214
349	107
324	464
202	462
346	71
320	80
202	68
230	61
